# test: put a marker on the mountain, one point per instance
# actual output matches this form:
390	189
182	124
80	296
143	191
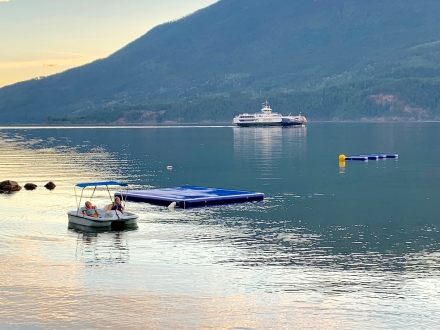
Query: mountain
261	47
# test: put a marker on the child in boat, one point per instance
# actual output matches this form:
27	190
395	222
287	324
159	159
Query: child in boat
116	205
90	210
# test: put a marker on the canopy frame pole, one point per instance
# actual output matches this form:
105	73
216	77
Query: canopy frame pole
111	200
79	203
95	184
92	193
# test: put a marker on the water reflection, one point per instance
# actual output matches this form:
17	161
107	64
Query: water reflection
269	142
98	247
265	147
261	241
355	248
340	250
34	159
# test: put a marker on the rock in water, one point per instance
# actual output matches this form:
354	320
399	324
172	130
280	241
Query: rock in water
8	186
50	185
30	186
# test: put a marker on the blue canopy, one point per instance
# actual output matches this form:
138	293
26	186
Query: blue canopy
101	183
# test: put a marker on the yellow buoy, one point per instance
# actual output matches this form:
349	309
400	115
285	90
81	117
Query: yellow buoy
341	158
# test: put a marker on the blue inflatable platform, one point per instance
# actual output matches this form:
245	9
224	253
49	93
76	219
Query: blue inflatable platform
190	196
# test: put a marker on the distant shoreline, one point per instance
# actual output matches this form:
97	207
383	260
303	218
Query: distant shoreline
216	124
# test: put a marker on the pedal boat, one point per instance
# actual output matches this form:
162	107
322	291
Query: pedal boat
105	217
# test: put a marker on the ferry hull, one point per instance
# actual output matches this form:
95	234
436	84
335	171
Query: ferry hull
268	124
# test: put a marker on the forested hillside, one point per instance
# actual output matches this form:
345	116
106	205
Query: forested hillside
395	100
331	59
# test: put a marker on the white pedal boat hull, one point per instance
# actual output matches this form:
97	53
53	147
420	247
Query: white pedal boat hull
105	218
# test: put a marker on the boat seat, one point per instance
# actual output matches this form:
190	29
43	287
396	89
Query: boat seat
102	212
113	213
102	209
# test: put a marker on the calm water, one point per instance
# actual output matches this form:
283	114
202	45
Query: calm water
328	248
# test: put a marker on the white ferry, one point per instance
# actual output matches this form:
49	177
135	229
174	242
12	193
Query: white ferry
268	118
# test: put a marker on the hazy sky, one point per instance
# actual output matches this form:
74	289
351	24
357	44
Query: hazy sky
43	37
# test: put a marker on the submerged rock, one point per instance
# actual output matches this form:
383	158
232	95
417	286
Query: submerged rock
30	186
50	185
8	186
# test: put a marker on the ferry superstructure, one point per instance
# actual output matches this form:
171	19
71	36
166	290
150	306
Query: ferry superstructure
268	118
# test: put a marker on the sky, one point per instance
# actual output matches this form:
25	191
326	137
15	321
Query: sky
44	37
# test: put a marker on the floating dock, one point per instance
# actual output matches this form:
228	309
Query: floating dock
371	156
364	158
386	155
190	196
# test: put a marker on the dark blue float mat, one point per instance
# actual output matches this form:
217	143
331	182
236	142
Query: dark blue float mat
364	158
386	155
190	196
372	156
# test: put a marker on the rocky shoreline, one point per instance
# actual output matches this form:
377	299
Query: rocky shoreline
10	186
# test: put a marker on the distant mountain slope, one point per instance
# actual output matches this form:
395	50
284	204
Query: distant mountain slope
244	45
